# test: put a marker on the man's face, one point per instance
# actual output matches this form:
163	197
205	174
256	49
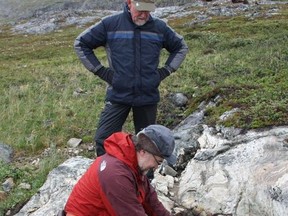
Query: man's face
138	17
148	161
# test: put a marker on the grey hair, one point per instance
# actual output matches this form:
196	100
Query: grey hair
143	142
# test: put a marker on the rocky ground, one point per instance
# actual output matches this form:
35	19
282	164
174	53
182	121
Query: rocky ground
52	21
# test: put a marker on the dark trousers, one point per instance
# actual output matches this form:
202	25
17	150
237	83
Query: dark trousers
114	116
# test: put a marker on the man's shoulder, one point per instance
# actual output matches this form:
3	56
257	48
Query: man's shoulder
160	23
113	16
113	165
158	20
112	168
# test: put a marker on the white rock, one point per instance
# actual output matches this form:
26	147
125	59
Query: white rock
74	142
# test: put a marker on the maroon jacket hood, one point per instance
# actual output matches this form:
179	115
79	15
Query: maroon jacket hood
121	146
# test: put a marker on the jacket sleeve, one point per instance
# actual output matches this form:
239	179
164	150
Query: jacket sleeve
90	39
177	48
152	205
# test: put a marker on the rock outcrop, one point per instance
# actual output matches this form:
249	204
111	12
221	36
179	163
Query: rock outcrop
232	173
53	195
244	175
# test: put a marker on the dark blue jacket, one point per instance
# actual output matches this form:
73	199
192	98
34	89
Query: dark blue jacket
133	54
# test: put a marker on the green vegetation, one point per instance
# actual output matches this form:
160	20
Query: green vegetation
242	62
35	176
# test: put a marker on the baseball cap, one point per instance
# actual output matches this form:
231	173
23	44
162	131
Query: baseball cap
144	5
164	140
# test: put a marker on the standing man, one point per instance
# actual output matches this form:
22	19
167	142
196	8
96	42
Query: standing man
133	40
116	183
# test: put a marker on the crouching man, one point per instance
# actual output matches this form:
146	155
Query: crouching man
116	182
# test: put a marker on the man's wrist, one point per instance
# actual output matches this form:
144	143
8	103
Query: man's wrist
100	70
106	74
163	72
169	69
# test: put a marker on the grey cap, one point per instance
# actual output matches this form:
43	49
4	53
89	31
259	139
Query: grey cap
164	140
144	5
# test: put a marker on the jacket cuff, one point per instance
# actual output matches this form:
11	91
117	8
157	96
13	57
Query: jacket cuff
170	69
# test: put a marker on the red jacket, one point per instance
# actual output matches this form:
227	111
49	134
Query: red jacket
113	185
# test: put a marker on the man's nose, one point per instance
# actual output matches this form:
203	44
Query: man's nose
144	13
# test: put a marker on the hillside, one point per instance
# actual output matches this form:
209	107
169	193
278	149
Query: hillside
22	9
14	10
237	64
